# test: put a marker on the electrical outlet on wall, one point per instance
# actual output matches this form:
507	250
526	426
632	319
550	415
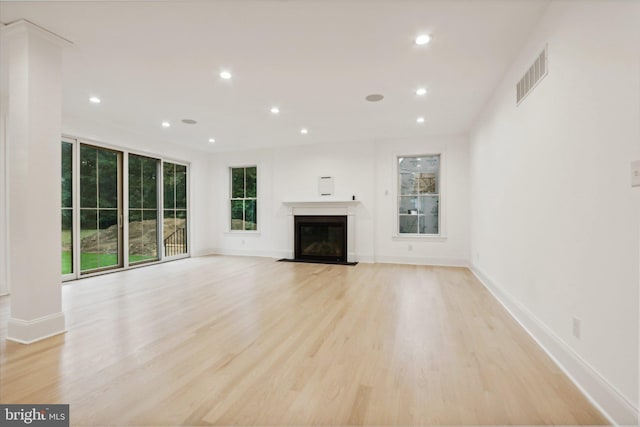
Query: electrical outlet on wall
576	327
635	173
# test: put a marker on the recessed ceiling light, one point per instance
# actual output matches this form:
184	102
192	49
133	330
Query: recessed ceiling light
275	110
225	75
304	131
423	39
420	120
421	91
211	140
166	124
94	100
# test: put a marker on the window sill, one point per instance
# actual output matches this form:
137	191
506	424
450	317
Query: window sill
242	233
422	237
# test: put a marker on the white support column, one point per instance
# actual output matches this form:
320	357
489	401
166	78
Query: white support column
33	131
4	97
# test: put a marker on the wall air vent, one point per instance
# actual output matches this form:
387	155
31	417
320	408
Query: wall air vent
533	76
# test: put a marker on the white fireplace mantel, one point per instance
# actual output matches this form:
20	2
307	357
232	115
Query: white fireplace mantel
321	207
325	207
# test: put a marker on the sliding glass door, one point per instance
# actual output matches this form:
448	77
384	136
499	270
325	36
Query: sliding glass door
175	209
143	209
99	185
100	209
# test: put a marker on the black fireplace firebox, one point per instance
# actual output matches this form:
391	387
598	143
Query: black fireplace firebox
320	238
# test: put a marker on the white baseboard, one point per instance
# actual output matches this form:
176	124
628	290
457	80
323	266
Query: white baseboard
370	259
366	259
30	331
440	262
205	252
602	394
252	252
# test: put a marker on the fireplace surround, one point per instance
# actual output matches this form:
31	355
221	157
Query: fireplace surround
324	208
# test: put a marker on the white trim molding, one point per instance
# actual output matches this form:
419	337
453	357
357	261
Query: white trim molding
602	394
432	261
30	331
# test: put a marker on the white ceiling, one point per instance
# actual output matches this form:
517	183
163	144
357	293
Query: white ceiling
315	60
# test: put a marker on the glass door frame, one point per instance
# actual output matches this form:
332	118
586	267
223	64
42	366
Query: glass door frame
75	217
187	254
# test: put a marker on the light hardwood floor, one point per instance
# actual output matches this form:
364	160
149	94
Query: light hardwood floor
249	341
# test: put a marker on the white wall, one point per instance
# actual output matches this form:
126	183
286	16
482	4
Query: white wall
363	169
554	221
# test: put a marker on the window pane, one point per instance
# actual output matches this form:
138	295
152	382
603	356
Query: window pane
181	187
408	224
89	239
427	183
142	236
108	179
251	215
149	183
237	183
67	174
108	237
175	233
408	205
251	182
237	208
407	183
169	185
429	224
149	248
135	182
88	175
67	241
169	223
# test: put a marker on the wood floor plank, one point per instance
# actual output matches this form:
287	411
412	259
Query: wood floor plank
250	341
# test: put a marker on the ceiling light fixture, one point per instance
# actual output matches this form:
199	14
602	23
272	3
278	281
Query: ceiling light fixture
374	97
166	124
275	110
211	140
420	120
423	39
421	91
225	75
94	100
304	131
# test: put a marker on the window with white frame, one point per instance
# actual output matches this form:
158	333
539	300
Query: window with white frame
244	198
419	195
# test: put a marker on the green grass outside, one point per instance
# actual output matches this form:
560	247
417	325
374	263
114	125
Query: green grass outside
90	261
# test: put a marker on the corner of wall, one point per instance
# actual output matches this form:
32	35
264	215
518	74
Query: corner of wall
602	394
